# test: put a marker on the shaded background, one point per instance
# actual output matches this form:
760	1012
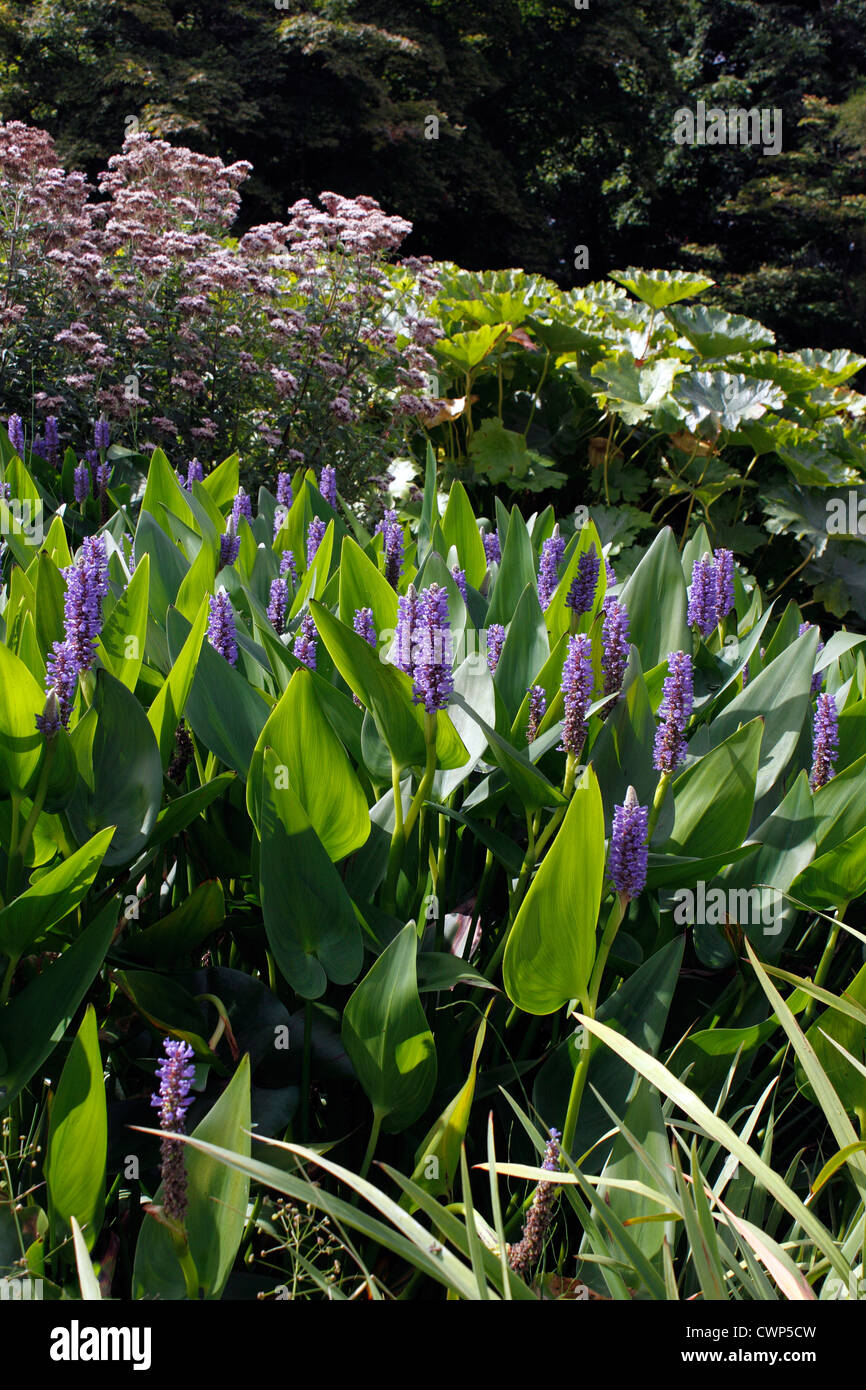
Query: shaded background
554	126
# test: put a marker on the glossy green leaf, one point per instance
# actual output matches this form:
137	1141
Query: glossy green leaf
21	743
309	919
713	798
121	642
52	896
551	949
388	1039
78	1136
657	628
312	761
36	1019
124	786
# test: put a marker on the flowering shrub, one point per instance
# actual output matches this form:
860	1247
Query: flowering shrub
132	302
434	827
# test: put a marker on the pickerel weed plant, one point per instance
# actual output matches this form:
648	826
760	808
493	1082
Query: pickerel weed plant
511	890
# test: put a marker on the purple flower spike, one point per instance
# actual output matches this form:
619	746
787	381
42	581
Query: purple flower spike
407	620
825	742
328	485
627	857
305	643
315	535
675	712
492	547
288	566
818	677
537	710
242	506
615	645
392	546
194	474
221	629
724	583
459	577
702	596
86	587
176	1073
552	552
15	430
495	639
581	595
230	544
365	626
101	434
577	682
432	682
278	605
81	483
61	680
285	496
610	573
103	475
52	439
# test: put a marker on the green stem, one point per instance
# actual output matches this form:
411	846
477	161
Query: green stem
371	1144
826	959
578	1084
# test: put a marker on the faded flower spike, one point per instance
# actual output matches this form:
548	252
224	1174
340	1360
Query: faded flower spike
537	709
221	629
577	683
176	1073
552	552
305	643
627	856
825	742
674	713
328	485
527	1252
495	640
581	595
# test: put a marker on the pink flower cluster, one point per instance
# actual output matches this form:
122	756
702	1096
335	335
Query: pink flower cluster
297	340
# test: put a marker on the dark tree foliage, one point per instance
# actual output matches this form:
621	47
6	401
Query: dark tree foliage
554	125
